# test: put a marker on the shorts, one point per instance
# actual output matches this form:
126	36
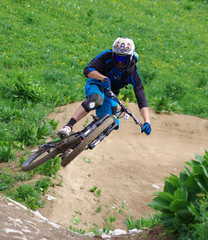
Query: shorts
109	105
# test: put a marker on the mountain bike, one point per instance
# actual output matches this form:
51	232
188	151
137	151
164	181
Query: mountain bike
69	148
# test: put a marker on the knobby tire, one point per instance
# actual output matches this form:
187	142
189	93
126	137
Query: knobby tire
30	163
81	147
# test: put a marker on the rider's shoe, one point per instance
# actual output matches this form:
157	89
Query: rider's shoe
64	132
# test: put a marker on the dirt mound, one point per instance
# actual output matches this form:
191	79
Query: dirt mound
102	187
127	167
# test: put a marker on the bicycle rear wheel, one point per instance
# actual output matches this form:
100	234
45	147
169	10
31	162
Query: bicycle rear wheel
51	150
38	158
81	147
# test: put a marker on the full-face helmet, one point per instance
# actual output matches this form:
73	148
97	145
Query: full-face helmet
123	51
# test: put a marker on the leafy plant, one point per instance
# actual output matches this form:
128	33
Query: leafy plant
77	230
76	220
87	160
98	193
198	228
180	193
28	195
99	209
30	133
6	180
163	103
127	94
93	189
7	152
148	222
23	89
43	185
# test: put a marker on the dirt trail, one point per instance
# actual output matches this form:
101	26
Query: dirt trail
127	167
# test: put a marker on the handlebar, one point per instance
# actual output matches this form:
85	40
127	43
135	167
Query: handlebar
125	109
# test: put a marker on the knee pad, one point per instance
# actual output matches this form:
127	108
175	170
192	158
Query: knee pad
94	101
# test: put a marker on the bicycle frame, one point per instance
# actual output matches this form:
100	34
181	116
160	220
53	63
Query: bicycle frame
87	138
123	108
117	115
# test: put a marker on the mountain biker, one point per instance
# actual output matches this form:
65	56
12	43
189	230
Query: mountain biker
114	68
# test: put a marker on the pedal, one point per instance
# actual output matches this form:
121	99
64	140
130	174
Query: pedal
126	116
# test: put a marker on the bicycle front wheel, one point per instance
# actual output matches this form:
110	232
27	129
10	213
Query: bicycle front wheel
81	147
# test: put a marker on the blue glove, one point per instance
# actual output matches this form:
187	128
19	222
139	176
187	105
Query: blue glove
146	128
106	83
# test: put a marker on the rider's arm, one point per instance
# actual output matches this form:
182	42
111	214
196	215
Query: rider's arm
96	75
139	90
140	95
95	69
145	114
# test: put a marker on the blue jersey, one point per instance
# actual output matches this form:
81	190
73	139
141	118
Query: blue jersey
105	65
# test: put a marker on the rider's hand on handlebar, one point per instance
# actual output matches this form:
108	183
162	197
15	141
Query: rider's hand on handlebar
106	83
146	128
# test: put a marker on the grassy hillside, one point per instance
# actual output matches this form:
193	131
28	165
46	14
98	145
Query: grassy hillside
45	45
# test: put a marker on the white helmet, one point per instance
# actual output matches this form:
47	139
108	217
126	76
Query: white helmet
123	46
123	51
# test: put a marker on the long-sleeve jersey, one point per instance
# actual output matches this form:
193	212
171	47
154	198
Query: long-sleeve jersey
104	64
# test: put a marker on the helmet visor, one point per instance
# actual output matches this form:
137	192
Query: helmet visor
121	58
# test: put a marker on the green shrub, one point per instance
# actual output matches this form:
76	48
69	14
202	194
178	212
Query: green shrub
6	114
28	195
6	180
197	229
43	185
148	222
163	103
181	194
30	133
7	152
23	89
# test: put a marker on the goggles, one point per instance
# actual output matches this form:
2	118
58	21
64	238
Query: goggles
121	58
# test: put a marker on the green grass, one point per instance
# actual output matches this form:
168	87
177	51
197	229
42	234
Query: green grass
45	45
50	42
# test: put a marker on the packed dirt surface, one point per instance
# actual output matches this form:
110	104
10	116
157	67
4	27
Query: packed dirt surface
123	171
127	167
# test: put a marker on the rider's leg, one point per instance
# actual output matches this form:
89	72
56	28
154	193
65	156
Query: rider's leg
95	96
79	113
109	106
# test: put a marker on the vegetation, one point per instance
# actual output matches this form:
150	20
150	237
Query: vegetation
183	203
44	47
23	188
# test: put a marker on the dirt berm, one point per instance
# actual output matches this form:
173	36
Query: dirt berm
127	167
